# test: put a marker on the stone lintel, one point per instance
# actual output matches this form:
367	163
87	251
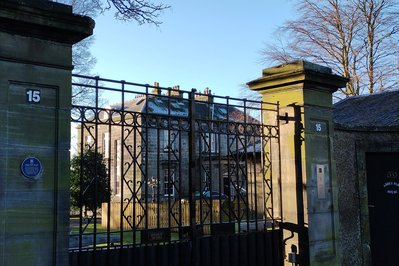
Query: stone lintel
44	20
312	76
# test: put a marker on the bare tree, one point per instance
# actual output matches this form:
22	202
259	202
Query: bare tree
357	39
140	11
82	59
381	51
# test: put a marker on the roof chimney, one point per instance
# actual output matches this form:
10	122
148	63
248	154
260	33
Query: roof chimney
156	89
175	91
206	96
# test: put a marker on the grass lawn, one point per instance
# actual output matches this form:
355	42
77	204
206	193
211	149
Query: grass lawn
129	237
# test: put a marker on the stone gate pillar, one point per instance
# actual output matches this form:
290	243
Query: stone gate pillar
308	184
35	95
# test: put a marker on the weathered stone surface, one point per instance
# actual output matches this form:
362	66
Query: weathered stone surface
350	147
44	20
35	54
367	123
306	88
318	78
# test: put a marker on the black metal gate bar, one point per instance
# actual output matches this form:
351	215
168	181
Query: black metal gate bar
192	200
184	169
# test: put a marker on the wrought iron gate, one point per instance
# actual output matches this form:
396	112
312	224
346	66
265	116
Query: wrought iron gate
162	176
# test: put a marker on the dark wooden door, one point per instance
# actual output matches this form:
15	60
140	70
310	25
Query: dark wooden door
383	200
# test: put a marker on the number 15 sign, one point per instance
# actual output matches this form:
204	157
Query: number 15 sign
33	96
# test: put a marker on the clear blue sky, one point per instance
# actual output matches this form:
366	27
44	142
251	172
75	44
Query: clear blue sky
207	43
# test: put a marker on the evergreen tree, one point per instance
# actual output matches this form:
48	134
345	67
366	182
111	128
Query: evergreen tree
89	181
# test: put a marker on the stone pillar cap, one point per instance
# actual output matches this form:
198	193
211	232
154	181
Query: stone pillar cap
44	5
298	72
299	65
43	19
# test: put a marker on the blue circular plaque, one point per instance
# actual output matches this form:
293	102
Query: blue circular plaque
31	168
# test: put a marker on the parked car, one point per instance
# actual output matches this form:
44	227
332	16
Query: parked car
208	194
242	191
214	195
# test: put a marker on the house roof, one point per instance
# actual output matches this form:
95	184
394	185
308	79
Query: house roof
375	112
176	106
252	147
